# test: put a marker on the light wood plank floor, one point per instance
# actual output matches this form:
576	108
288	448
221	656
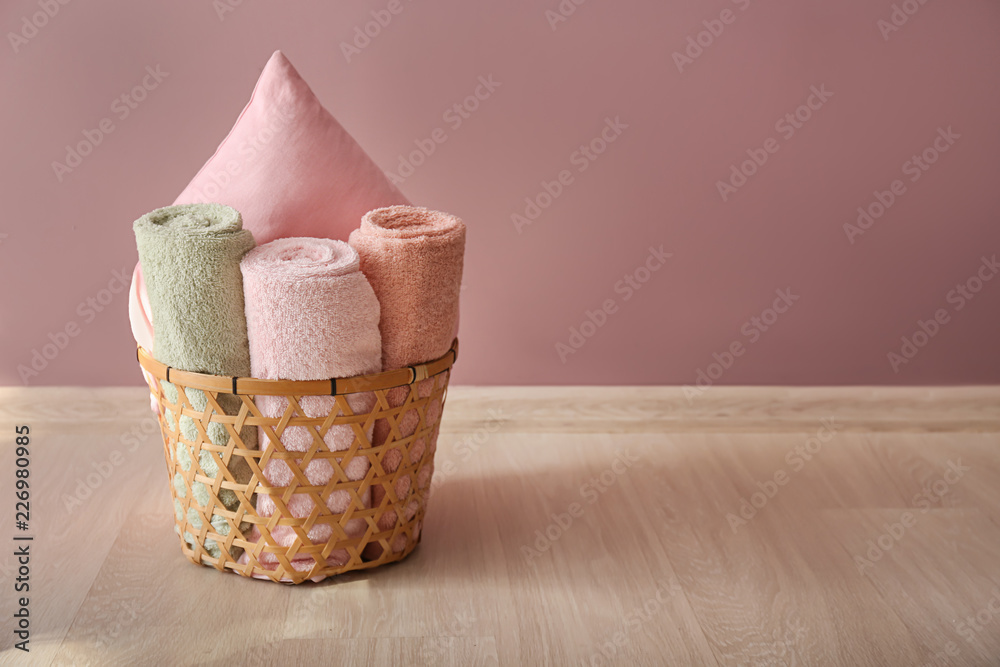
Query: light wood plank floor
568	526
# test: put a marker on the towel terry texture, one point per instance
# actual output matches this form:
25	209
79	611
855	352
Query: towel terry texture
311	315
288	167
192	258
413	259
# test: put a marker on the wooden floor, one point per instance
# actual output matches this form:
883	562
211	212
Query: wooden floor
568	526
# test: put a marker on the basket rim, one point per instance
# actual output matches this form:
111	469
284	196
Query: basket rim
252	386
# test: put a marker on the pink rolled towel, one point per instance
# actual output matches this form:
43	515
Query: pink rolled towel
311	315
413	259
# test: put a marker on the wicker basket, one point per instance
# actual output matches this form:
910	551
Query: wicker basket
232	535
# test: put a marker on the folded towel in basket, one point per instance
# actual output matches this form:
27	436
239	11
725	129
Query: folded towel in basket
311	315
191	255
413	259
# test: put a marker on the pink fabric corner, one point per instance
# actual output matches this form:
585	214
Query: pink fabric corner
142	324
289	168
139	311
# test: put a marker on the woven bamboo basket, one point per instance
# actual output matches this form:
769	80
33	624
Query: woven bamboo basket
215	487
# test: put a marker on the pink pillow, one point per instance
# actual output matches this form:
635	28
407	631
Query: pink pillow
288	167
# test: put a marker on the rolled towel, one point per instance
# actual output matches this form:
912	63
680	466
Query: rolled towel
311	315
413	259
191	254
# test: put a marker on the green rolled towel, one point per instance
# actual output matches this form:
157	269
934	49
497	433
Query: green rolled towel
190	256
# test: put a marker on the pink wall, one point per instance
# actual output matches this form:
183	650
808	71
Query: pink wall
655	185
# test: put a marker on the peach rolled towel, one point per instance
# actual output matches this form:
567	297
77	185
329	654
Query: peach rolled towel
311	315
413	259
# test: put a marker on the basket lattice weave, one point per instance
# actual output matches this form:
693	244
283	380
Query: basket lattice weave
222	528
